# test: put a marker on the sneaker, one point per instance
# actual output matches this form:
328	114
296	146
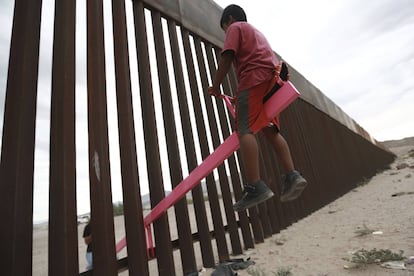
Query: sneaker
293	185
253	195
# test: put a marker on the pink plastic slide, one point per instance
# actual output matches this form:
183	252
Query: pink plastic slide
276	104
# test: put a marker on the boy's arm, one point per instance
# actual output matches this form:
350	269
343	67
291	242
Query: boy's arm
226	60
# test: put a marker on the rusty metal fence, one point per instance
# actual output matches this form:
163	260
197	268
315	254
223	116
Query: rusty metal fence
330	149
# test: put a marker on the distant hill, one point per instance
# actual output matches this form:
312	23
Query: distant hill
409	141
146	201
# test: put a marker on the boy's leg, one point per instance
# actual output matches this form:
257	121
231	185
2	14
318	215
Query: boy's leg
293	183
280	146
249	119
250	153
256	191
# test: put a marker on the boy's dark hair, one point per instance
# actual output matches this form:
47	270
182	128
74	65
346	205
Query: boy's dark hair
235	11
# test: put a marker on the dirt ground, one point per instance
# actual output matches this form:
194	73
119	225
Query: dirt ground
320	244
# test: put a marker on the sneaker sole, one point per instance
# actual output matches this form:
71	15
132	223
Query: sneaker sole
298	191
295	192
259	200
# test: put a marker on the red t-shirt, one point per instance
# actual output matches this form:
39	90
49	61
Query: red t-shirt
254	58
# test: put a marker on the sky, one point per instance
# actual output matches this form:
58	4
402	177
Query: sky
358	53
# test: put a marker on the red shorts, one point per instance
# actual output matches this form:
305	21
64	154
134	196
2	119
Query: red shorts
250	114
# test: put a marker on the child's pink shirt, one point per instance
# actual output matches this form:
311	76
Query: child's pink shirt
254	58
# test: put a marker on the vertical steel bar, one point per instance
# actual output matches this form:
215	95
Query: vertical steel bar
263	228
328	171
264	219
269	173
288	128
195	94
268	211
233	79
212	187
235	174
275	181
197	192
17	158
224	183
104	261
135	233
303	131
181	212
161	228
312	128
63	230
254	219
303	163
253	213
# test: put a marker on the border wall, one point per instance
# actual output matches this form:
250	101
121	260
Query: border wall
329	148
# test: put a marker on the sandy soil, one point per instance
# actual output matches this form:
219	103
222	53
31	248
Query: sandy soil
320	243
